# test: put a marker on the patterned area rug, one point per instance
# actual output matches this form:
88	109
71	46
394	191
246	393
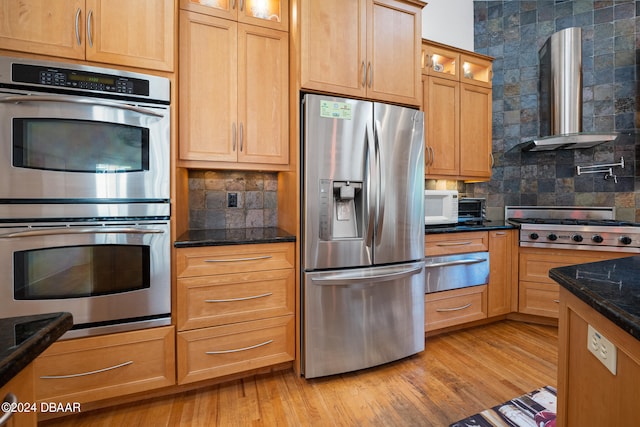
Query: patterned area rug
534	409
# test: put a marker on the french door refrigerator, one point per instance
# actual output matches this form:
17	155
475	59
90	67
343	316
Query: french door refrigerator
362	234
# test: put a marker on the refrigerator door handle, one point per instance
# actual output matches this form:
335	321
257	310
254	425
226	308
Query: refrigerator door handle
382	186
371	185
347	278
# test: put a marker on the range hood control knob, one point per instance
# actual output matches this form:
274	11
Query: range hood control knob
625	240
533	236
552	237
597	239
577	238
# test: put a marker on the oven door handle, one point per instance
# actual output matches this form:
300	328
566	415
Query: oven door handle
80	230
46	98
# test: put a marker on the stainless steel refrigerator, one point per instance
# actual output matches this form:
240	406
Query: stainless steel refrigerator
362	234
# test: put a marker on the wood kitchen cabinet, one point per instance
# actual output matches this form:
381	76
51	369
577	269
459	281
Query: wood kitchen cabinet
457	101
130	33
22	387
265	13
588	393
101	367
502	255
537	293
362	48
235	309
457	306
233	94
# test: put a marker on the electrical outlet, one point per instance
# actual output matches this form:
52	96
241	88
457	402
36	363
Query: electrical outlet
232	200
602	349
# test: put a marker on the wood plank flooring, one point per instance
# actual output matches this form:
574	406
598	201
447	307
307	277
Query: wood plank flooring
459	374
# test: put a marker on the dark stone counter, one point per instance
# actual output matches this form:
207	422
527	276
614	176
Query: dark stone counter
233	236
610	287
457	228
24	338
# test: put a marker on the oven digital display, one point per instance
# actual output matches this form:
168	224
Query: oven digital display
92	79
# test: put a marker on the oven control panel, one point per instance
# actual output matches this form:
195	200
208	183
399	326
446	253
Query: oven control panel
78	79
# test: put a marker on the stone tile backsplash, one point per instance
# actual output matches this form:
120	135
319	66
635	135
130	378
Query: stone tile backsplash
256	195
513	32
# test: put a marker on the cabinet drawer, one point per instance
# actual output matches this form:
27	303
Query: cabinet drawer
21	386
539	298
455	307
456	243
218	300
96	368
212	260
223	350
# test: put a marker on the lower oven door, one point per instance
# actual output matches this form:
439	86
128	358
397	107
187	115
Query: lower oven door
109	276
456	271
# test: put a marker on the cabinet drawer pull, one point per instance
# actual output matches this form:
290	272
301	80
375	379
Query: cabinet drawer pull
255	258
84	374
235	350
454	243
557	301
12	400
240	299
444	310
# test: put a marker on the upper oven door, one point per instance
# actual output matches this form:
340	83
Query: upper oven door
73	147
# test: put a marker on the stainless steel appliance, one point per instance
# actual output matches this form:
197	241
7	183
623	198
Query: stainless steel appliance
362	234
472	210
84	195
571	227
456	271
111	274
440	207
71	131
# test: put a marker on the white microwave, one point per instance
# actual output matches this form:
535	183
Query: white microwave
440	207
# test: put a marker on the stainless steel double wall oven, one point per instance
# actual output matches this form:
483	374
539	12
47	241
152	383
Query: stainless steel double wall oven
84	195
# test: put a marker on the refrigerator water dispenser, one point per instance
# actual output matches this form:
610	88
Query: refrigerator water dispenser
341	206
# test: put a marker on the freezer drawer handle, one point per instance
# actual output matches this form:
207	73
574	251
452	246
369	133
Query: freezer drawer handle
340	279
443	310
268	294
455	244
456	262
255	258
84	374
235	350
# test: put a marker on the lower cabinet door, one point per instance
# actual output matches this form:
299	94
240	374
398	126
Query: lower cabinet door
222	350
541	299
101	367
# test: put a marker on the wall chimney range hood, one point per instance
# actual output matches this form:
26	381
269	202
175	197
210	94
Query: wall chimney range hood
561	96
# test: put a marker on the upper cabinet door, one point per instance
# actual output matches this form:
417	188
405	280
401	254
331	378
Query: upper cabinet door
333	46
52	27
393	51
135	33
263	95
264	13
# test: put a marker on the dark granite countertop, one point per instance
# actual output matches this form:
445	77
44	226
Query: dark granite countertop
610	287
457	228
24	338
233	236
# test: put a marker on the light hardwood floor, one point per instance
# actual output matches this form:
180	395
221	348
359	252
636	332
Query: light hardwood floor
459	374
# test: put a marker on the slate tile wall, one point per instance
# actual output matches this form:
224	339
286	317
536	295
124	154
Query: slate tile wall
513	32
257	199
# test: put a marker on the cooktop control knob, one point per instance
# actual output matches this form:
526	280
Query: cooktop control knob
552	237
533	236
625	240
597	239
577	238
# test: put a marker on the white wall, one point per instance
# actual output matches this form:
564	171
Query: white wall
449	22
